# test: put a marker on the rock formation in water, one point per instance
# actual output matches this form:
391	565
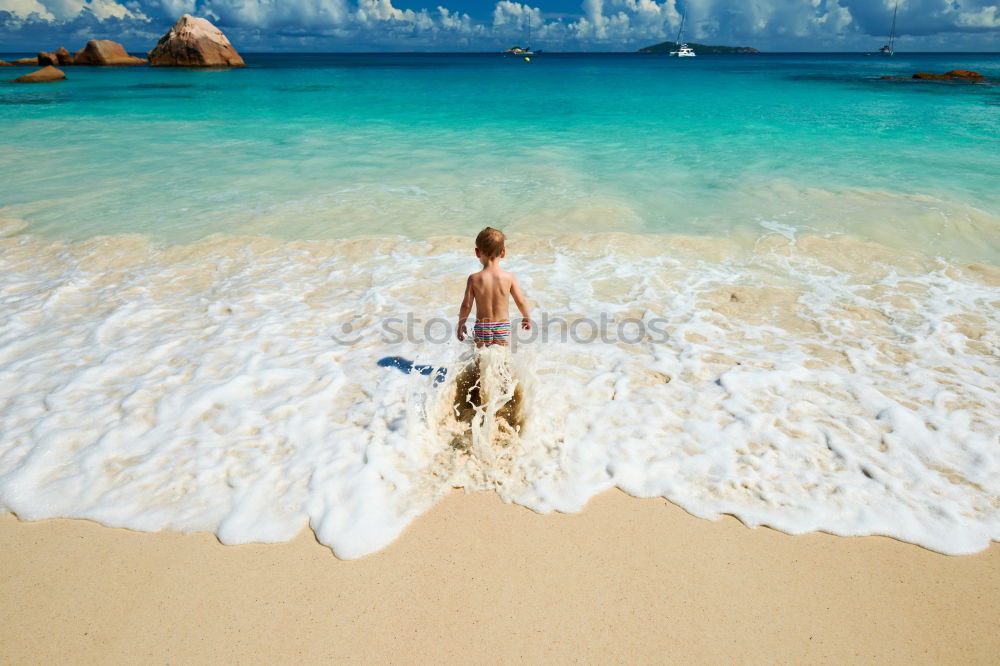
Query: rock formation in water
194	42
5	64
964	74
33	62
64	56
44	75
105	52
47	59
953	74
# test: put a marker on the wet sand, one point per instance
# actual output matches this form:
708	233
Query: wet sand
475	580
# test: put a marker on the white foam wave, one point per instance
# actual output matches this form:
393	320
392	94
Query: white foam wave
821	384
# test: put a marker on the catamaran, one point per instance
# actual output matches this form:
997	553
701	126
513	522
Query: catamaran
887	49
521	50
683	51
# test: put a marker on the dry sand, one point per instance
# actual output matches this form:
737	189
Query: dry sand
475	580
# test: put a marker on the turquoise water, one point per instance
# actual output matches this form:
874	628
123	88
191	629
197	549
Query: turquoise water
327	146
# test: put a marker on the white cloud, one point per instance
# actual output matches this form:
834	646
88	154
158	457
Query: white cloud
455	21
381	10
987	17
304	14
25	8
174	9
101	9
507	13
626	22
595	24
104	9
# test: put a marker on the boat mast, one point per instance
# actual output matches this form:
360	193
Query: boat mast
529	30
892	30
680	30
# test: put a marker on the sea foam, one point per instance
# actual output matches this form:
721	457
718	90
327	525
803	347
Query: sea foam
234	384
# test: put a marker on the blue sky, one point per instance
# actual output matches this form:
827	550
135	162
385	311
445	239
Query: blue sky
471	25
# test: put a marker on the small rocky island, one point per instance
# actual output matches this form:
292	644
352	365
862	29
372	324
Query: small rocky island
194	42
667	47
953	75
46	74
101	53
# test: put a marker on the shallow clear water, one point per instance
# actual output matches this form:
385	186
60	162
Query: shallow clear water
326	146
763	285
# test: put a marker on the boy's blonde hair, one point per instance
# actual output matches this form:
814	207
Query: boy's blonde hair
490	242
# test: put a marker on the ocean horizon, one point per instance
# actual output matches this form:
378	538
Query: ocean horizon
33	49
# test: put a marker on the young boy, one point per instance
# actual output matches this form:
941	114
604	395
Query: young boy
491	289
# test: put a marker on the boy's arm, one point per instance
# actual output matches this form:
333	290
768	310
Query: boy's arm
521	302
465	309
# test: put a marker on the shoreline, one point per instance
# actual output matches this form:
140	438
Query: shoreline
530	234
476	579
226	373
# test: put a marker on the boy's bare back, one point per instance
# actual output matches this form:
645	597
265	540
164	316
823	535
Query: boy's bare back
491	290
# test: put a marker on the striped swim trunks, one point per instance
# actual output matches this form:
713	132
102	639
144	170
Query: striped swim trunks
488	333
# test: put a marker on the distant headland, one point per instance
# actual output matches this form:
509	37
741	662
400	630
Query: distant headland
667	47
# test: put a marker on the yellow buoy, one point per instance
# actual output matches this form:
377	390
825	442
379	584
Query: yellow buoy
527	59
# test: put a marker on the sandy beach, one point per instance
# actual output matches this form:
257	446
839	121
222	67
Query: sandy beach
476	581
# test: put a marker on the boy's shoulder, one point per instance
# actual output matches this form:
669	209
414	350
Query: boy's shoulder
481	276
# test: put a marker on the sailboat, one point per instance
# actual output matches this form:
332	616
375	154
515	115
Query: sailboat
683	51
887	49
520	50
